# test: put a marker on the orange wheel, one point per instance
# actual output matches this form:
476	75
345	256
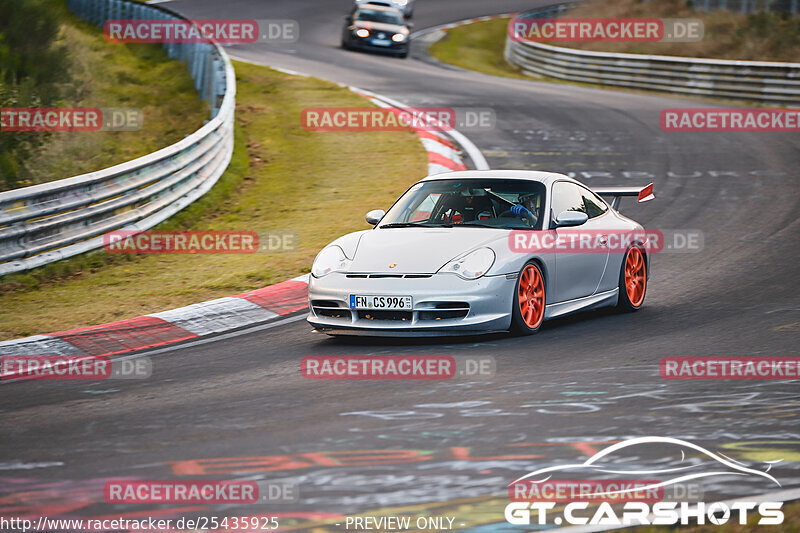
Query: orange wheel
530	300
633	279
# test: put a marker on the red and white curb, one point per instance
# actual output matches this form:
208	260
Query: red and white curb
168	327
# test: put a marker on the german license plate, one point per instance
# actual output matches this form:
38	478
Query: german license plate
389	303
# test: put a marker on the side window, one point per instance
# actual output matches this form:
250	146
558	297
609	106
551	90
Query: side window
567	197
593	206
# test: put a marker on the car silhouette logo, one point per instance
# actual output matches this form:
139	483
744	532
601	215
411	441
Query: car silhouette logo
686	471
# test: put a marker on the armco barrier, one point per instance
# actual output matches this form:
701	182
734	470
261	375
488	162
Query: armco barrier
762	81
52	221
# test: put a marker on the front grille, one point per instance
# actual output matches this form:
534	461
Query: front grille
442	315
330	308
443	310
332	313
385	315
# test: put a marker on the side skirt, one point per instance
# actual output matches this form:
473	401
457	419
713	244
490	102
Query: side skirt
603	299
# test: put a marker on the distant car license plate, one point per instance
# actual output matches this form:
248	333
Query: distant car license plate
381	42
390	303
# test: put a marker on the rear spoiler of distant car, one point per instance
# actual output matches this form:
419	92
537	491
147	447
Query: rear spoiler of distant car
643	193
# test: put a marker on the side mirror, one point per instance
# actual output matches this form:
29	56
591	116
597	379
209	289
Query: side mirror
568	219
375	216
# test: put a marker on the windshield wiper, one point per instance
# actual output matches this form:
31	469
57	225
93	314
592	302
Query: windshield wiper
414	225
478	225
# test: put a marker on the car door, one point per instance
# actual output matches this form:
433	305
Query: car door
578	270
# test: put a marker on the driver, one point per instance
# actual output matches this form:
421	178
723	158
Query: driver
526	208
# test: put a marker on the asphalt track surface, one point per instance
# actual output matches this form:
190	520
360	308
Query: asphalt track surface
238	408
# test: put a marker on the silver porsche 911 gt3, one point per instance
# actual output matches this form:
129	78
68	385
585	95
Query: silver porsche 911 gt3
482	251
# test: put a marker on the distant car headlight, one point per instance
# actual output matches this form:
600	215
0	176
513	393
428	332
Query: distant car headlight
398	37
362	32
472	265
330	259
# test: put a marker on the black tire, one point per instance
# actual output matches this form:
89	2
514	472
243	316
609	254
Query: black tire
624	302
519	326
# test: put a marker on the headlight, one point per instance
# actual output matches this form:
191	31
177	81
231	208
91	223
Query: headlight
472	265
362	32
398	37
401	3
331	259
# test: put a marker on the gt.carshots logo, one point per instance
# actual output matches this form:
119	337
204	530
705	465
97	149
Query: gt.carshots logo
639	500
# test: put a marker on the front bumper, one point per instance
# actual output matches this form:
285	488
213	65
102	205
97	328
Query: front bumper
443	304
358	43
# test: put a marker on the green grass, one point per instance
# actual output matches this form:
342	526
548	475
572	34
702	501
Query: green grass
478	46
761	36
282	177
116	75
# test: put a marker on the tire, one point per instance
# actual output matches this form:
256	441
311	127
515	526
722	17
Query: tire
528	302
632	280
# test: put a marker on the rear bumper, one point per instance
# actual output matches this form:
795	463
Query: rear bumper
437	305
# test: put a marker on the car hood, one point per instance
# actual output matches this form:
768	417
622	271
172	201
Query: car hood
417	250
381	26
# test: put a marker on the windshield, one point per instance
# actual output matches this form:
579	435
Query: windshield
496	203
374	15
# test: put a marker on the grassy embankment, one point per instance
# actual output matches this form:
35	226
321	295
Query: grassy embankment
728	35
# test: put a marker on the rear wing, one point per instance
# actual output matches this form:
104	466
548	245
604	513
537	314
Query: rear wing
643	193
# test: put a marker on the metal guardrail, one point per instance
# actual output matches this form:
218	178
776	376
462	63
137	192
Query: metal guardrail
763	81
748	6
60	219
